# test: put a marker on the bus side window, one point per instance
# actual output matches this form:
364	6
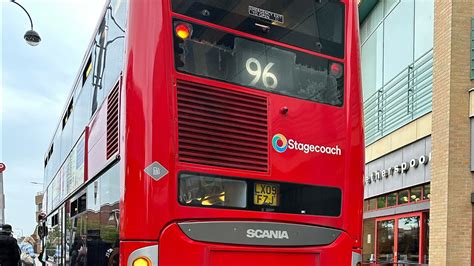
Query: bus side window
109	51
99	58
82	100
115	44
102	214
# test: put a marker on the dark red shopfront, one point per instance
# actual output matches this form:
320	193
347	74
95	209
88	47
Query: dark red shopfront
396	227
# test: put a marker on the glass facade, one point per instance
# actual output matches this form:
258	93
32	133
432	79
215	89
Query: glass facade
397	76
397	64
393	36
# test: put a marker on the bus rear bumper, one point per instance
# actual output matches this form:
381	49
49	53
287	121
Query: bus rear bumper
176	248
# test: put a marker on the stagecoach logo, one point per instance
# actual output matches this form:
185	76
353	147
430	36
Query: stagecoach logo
271	234
280	143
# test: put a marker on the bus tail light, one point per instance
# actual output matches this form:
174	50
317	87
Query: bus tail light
183	30
335	69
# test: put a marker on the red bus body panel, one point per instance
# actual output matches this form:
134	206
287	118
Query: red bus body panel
150	209
97	142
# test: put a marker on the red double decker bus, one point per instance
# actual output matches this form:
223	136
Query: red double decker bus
211	132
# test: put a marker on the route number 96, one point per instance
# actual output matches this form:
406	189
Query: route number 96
254	68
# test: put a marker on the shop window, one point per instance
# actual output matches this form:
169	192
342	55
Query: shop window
415	194
372	204
381	202
391	199
403	196
426	192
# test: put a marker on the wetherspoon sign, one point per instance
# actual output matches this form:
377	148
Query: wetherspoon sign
398	169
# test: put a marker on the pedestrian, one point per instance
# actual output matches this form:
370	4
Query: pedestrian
9	251
27	256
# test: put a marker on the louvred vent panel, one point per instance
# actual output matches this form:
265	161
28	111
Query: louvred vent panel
113	122
224	128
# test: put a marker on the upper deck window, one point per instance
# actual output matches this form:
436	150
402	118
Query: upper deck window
215	54
316	25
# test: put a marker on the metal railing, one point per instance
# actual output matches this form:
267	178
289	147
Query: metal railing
403	99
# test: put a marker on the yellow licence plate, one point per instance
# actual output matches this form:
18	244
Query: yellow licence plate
266	194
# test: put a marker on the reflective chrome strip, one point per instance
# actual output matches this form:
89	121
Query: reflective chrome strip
356	258
260	233
151	252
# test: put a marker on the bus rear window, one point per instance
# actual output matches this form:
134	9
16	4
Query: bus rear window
210	191
215	54
316	25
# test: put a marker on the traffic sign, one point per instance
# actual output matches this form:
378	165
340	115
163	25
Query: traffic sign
2	167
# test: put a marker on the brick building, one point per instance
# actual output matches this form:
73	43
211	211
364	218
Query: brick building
417	72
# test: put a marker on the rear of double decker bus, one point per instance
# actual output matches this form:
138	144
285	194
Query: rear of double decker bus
243	139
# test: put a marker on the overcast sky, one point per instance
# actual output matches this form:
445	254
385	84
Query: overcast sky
35	82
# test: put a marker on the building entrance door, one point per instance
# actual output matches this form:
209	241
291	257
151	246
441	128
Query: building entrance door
386	241
408	239
399	239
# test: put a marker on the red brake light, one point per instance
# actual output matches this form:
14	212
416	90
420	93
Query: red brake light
336	70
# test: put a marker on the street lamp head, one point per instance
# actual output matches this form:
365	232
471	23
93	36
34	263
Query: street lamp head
32	38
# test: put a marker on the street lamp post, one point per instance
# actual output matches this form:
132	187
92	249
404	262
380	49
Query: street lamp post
31	36
2	196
